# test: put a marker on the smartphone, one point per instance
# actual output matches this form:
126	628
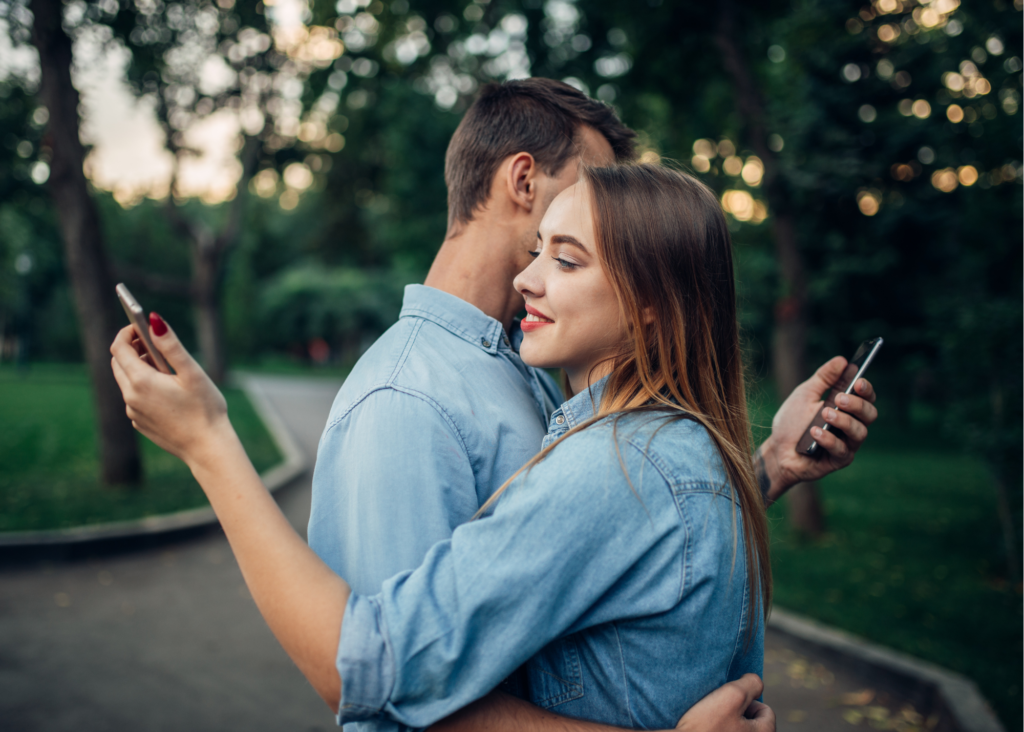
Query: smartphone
137	316
854	370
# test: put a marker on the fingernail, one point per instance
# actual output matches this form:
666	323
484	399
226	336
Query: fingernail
842	400
816	432
830	414
157	324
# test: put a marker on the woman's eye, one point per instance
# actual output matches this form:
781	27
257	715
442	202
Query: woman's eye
564	264
535	254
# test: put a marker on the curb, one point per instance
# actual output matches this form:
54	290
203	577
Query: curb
957	695
293	465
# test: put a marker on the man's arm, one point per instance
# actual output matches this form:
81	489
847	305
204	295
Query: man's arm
392	478
730	708
777	463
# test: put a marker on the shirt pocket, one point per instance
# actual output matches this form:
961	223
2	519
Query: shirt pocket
555	674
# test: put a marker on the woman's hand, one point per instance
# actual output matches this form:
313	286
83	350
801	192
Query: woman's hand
184	413
301	599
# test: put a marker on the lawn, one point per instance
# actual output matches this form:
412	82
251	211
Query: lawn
48	455
912	559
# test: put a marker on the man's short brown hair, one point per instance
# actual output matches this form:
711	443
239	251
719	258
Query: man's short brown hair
538	116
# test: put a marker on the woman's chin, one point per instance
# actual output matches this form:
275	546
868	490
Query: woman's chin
535	357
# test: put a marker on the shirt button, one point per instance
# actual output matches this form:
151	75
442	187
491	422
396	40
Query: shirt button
486	343
559	419
505	340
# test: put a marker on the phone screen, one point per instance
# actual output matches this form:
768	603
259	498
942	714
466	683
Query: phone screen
865	353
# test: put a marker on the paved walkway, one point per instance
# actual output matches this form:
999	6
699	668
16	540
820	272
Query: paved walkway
166	637
162	638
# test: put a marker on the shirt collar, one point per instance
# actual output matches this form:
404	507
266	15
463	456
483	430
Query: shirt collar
577	410
454	315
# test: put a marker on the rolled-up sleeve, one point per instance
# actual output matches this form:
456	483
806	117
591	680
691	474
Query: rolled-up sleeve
566	535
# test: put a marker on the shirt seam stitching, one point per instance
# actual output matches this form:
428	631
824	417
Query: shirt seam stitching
625	677
448	325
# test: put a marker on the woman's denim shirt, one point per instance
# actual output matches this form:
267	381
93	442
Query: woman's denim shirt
623	600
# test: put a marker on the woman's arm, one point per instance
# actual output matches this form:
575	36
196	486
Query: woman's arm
301	599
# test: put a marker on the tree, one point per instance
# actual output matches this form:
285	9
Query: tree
85	256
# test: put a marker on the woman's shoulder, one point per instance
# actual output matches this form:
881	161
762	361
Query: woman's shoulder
674	443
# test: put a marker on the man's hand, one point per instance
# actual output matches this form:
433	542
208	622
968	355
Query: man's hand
731	708
777	459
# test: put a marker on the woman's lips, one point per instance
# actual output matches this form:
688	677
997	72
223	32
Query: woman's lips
533	320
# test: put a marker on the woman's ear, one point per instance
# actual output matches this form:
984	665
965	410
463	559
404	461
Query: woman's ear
520	180
648	315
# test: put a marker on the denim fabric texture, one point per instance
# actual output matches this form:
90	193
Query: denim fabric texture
625	598
436	415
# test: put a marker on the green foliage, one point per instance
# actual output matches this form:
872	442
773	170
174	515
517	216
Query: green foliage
346	308
48	457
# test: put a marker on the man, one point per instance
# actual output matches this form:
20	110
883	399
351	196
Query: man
441	410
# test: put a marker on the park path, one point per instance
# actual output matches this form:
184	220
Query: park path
166	637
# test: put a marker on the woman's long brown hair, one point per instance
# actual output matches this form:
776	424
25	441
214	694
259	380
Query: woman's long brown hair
665	248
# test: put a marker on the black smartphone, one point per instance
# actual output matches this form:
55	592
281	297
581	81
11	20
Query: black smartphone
854	370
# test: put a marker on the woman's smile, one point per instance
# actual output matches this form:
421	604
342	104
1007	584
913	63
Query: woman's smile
534	319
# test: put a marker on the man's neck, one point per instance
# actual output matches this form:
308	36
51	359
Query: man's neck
478	265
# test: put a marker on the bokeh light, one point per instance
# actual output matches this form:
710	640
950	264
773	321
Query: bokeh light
954	113
738	203
701	164
967	175
705	148
869	201
753	171
945	180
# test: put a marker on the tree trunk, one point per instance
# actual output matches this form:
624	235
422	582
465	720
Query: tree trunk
206	275
85	257
790	311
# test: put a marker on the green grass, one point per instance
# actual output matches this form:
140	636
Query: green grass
49	464
913	559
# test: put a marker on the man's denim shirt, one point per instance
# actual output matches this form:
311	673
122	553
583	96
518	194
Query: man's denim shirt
625	598
436	415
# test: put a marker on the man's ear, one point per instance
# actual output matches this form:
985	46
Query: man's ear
520	180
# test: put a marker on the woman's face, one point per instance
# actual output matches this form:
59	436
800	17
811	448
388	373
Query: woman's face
573	319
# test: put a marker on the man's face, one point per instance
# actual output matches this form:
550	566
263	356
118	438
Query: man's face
594	150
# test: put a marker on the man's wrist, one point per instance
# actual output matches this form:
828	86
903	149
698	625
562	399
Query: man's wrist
769	474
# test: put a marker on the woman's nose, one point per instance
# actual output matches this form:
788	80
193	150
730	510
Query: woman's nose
528	281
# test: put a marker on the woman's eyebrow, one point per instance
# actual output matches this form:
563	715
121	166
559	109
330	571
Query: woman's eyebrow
571	240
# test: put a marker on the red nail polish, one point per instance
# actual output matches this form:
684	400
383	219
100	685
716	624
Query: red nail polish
157	324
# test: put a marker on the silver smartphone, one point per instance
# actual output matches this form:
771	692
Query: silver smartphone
854	370
137	316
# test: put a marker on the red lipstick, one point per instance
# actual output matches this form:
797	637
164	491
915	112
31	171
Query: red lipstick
536	319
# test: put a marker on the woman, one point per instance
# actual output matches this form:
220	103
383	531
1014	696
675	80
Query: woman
626	566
